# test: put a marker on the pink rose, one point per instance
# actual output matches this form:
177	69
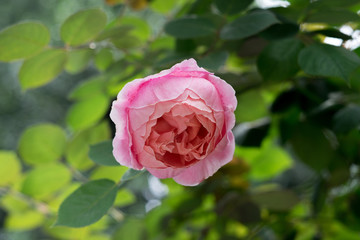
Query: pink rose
176	124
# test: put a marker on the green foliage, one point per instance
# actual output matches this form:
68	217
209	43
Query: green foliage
43	143
297	137
42	68
23	40
87	204
83	26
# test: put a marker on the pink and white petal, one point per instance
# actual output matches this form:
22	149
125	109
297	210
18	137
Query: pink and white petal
122	152
222	154
226	92
148	160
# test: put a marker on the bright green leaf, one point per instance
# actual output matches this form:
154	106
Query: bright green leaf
83	26
88	89
232	6
23	40
248	25
190	27
78	59
42	143
86	113
42	68
278	61
101	153
23	221
140	28
44	180
112	173
114	32
10	168
87	204
329	61
124	197
78	148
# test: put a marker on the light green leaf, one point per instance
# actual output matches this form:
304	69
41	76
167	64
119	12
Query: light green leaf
114	32
329	61
248	25
190	27
87	204
278	61
23	40
43	143
112	173
101	153
23	221
78	148
140	28
78	59
42	68
124	197
44	180
83	26
88	89
104	59
86	113
10	168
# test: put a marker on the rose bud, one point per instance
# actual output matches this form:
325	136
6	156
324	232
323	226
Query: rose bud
176	124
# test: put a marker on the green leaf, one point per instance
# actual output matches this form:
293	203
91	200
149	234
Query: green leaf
101	153
333	16
276	200
114	32
104	59
78	148
329	61
106	172
88	89
331	32
77	60
43	143
131	174
347	119
126	42
42	68
87	204
87	112
124	197
248	25
44	180
10	168
190	27
140	28
232	6
26	220
83	26
214	61
23	40
278	61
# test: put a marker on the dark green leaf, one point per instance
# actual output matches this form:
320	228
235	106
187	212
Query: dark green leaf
214	61
190	27
131	174
278	61
279	31
347	119
329	61
87	204
23	40
248	25
277	200
251	134
232	6
101	153
333	16
83	26
331	32
42	68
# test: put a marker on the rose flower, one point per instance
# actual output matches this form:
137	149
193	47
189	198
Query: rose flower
176	124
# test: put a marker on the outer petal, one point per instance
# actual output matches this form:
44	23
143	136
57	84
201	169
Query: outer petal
222	154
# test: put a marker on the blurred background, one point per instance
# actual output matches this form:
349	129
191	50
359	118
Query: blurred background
295	68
